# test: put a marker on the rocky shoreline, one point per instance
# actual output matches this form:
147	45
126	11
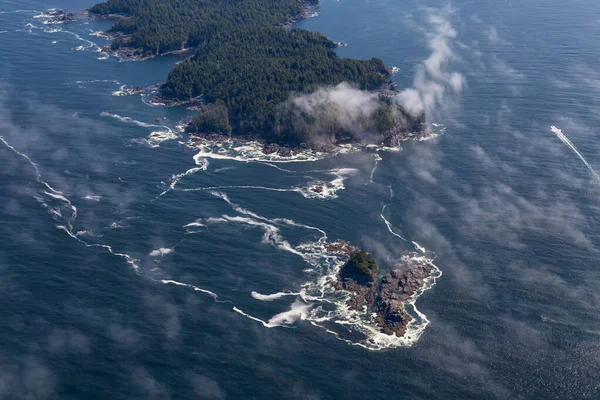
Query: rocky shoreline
135	54
60	16
385	297
402	131
393	140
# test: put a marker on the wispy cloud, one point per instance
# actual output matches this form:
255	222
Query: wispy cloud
494	37
434	83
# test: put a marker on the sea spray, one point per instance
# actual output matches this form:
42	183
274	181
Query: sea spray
155	138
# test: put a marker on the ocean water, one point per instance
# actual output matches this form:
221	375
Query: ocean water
135	266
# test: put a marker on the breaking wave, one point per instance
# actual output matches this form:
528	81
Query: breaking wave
253	151
163	251
314	189
57	202
317	301
155	138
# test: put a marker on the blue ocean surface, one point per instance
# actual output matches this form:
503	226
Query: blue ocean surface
135	264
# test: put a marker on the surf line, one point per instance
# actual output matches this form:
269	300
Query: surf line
68	229
570	144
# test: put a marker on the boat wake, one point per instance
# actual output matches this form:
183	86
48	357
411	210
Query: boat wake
559	133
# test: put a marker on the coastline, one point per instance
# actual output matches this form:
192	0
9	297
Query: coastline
132	53
389	128
253	148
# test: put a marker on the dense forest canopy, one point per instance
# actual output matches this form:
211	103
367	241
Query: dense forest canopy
246	63
158	26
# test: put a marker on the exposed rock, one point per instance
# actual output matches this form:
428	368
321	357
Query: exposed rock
397	287
384	297
339	247
63	17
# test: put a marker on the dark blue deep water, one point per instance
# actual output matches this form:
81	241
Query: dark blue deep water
108	292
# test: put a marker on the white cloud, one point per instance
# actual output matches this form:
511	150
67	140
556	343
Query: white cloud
433	81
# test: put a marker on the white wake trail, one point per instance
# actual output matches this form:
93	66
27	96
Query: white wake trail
570	144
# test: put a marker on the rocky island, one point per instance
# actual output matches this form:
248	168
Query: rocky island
257	79
59	16
384	296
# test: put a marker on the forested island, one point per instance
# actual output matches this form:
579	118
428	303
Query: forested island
256	77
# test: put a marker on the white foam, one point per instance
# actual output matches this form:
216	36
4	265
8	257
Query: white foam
330	305
120	92
88	43
92	197
271	297
230	149
285	221
419	247
163	251
154	138
58	195
318	302
569	144
203	162
100	34
176	178
129	120
389	225
237	310
377	158
85	232
297	311
271	234
312	190
195	288
327	190
195	224
80	83
209	188
130	260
